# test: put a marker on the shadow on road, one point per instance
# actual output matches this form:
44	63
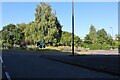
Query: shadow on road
102	63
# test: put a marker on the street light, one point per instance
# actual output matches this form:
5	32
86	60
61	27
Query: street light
112	36
11	37
73	27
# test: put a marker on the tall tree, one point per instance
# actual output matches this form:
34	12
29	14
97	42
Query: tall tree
103	37
48	26
93	34
22	26
7	33
11	35
87	39
18	37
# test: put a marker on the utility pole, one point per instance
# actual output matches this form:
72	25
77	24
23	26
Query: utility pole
112	37
11	38
73	27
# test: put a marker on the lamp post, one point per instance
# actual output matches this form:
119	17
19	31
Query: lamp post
11	37
73	27
112	36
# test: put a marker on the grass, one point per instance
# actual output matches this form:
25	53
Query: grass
39	51
50	49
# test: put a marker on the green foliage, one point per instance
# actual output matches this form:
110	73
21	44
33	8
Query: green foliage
7	34
17	36
102	36
66	39
77	41
116	44
98	46
117	37
47	28
98	39
11	35
117	41
22	26
87	40
93	34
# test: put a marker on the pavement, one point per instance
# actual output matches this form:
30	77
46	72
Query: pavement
105	52
101	63
33	65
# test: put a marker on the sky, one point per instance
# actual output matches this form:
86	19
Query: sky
100	14
119	18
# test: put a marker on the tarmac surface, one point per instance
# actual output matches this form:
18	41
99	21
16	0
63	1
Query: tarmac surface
33	65
103	63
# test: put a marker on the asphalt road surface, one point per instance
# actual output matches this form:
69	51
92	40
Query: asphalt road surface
30	65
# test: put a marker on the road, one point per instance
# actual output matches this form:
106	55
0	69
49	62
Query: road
30	65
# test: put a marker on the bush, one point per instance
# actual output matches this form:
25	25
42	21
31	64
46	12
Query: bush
98	46
119	49
31	47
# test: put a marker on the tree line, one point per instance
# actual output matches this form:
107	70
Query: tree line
100	39
46	27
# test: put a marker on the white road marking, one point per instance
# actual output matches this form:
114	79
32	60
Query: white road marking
1	59
6	73
8	76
